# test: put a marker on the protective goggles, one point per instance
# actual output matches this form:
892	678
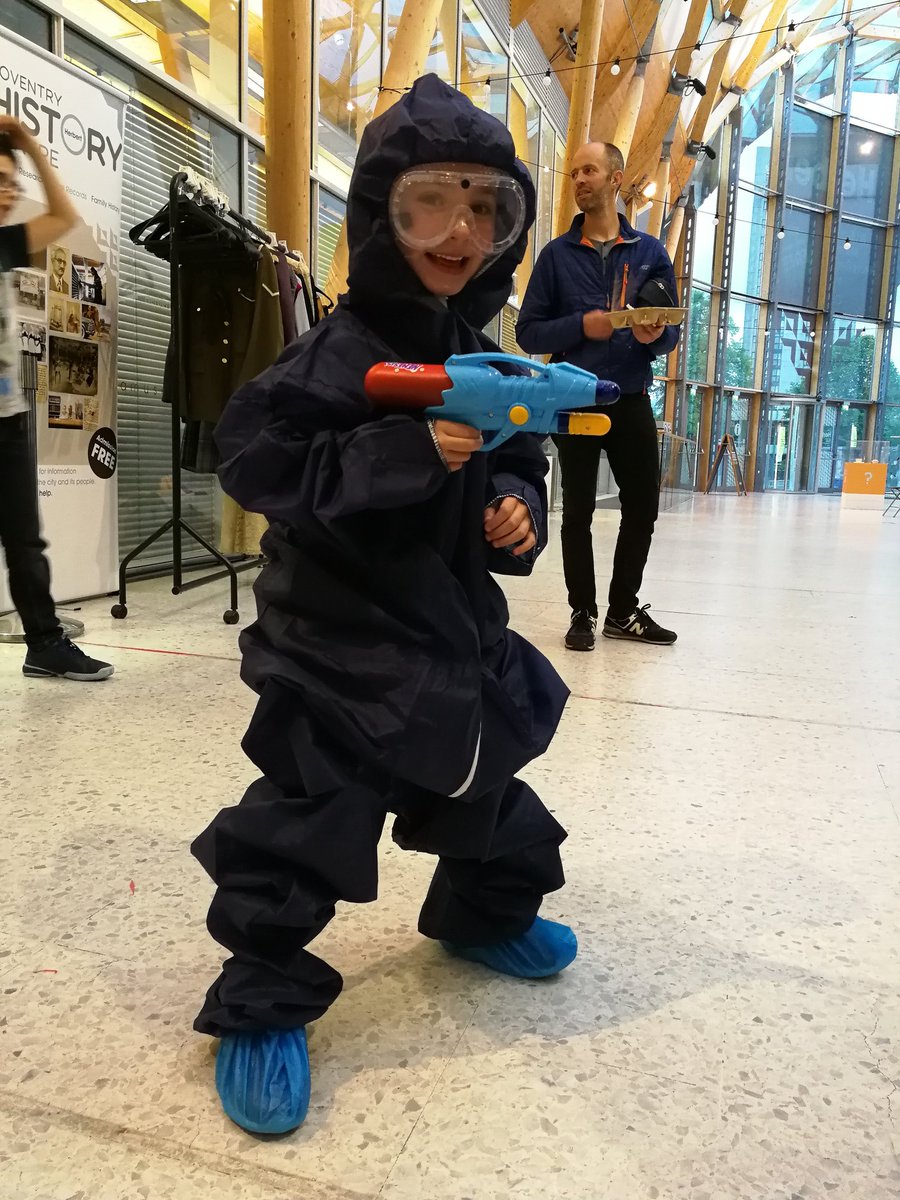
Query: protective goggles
430	204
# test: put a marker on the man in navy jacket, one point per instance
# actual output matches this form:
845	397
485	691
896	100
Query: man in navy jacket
600	265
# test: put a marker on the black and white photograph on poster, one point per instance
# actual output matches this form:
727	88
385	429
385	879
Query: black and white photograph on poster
104	326
74	366
91	408
65	412
73	317
89	280
59	279
31	291
90	322
57	315
33	340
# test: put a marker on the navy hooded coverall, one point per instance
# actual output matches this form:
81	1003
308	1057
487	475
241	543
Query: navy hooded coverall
388	679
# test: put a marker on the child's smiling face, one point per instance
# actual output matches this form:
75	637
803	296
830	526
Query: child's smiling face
445	217
446	270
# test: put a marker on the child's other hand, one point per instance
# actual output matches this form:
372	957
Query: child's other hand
509	524
458	442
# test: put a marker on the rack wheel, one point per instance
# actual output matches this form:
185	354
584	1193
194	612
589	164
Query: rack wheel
231	616
119	611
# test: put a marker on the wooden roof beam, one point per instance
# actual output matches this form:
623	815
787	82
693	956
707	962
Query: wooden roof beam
744	73
623	47
714	81
657	116
519	10
581	104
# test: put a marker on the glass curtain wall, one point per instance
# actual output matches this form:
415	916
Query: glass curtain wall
835	349
355	38
27	20
197	44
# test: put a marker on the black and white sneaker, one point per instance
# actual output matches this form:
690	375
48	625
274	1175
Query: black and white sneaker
62	659
581	634
639	627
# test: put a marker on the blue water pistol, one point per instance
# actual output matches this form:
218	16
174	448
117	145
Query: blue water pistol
531	397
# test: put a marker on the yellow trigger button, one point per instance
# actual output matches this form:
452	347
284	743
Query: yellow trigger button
519	414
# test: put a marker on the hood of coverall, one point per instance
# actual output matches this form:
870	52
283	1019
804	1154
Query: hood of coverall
431	123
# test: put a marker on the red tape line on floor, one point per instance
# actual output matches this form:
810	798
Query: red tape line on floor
151	650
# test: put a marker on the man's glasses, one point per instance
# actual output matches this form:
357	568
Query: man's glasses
10	185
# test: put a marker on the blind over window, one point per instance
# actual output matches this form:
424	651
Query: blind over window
331	218
156	147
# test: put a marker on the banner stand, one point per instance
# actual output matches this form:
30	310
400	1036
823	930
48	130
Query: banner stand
61	312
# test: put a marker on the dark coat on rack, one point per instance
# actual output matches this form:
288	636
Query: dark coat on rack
378	615
230	306
232	326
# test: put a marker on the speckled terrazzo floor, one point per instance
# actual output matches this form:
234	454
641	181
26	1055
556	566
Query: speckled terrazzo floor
731	1030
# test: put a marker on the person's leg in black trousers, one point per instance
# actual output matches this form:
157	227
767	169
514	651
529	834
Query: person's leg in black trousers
20	533
632	447
579	460
50	652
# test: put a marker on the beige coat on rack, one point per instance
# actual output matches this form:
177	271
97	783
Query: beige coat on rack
241	531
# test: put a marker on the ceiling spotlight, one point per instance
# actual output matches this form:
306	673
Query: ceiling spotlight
615	68
681	85
339	38
716	219
780	234
349	106
696	148
650	189
570	41
847	243
546	80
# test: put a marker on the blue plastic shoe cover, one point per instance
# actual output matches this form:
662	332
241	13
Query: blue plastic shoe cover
545	949
263	1079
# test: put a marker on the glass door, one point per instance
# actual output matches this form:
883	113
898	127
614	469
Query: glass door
803	420
790	441
778	429
828	448
843	435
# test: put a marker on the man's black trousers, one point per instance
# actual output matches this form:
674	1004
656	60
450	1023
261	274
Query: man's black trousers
632	448
20	534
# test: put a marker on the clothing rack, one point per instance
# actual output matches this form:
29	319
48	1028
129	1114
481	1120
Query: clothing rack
190	185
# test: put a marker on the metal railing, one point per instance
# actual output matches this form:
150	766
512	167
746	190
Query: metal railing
677	469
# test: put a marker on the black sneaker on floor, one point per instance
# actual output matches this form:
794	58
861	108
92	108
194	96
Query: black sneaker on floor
581	631
64	660
639	627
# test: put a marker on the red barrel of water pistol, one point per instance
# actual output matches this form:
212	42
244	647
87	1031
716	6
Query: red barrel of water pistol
406	385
